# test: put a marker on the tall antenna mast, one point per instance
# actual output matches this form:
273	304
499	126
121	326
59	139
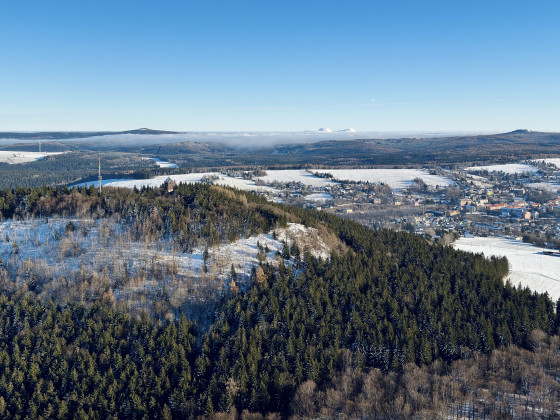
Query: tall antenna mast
99	177
39	147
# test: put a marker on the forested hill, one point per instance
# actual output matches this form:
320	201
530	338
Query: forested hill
505	147
289	344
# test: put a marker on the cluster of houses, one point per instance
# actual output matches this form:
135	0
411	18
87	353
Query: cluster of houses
491	204
492	210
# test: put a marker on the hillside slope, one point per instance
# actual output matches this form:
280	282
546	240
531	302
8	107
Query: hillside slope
371	301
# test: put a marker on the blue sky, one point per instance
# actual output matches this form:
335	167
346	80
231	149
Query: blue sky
279	65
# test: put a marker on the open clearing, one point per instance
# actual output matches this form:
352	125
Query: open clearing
550	186
286	176
318	197
554	161
528	265
14	158
397	179
164	164
158	181
509	168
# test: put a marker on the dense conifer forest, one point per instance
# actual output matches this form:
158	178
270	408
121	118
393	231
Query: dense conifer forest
389	326
194	212
68	167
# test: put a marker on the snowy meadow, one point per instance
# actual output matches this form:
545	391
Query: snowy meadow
528	265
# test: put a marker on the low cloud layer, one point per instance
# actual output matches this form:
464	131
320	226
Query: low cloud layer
244	140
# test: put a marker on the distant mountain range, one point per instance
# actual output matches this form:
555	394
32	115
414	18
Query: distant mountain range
518	144
205	149
63	135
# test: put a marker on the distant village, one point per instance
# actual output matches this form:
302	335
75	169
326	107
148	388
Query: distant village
500	200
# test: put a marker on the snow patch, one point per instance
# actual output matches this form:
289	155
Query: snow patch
305	238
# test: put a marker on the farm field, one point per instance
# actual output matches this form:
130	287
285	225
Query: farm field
528	265
274	180
550	186
285	176
164	164
318	197
397	179
509	168
158	181
555	162
14	158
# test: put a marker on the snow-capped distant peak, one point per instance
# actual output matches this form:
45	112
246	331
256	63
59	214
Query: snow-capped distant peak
324	130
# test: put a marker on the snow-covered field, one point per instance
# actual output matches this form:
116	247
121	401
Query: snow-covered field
528	265
164	164
550	186
318	197
509	168
285	176
95	183
554	161
243	184
156	182
14	158
479	181
397	179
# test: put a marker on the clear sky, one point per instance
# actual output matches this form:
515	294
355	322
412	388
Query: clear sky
445	65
